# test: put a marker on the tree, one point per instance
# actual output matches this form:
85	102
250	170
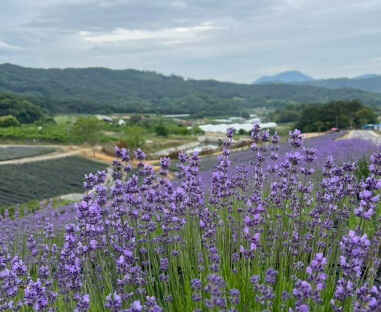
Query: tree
24	111
87	130
335	114
135	119
319	125
245	115
364	116
199	115
9	121
161	130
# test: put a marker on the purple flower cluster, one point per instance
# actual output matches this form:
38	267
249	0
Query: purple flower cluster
275	234
265	291
311	289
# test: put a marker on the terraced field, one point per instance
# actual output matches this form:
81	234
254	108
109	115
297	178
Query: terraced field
44	179
17	152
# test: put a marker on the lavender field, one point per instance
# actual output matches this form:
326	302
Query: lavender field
43	179
16	152
276	228
351	150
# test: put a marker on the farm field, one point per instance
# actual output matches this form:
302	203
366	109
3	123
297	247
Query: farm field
44	179
190	156
351	150
17	152
250	241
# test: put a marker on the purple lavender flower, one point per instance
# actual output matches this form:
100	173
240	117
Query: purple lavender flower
140	155
375	300
302	292
354	250
83	304
113	302
196	284
271	276
230	132
368	204
295	138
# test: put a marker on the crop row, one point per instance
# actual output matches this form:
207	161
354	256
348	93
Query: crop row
17	152
44	179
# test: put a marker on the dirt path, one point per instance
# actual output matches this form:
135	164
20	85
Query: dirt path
62	151
67	151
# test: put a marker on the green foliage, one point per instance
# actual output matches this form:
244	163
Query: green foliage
178	129
245	114
24	111
365	115
342	114
135	141
132	142
47	133
362	169
45	119
135	119
290	113
161	130
319	125
199	116
30	206
87	130
371	84
9	121
100	90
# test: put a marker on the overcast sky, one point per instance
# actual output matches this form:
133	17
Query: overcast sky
230	40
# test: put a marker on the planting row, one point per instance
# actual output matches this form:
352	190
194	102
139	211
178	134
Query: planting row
17	152
44	179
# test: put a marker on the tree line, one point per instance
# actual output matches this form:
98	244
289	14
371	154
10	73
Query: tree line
322	117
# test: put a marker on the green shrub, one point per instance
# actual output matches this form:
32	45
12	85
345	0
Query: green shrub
9	121
161	130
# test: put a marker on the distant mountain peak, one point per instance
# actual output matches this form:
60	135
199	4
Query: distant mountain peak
366	76
285	77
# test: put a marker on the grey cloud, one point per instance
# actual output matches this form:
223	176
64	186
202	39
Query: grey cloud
6	46
90	15
245	39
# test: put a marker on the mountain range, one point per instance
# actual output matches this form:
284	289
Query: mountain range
102	90
285	77
367	82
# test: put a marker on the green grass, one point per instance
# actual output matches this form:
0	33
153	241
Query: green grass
64	119
33	206
61	131
48	133
283	130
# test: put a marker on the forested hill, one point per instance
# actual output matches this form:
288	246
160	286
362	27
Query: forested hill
101	90
369	84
